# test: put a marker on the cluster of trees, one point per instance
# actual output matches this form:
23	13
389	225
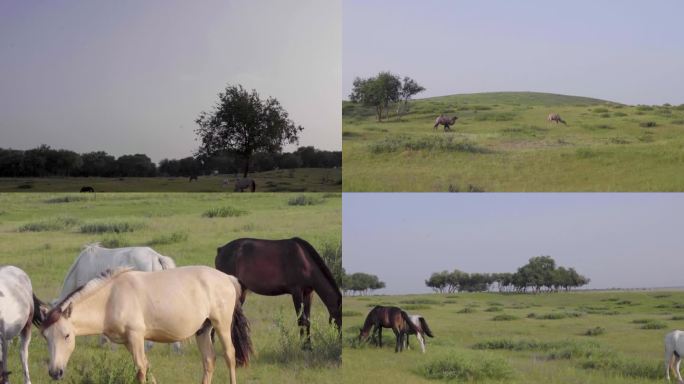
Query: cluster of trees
44	161
539	274
384	90
360	283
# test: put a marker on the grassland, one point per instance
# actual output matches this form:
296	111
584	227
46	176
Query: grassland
282	180
502	142
42	234
584	337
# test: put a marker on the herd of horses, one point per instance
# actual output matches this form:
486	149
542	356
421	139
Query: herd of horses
134	296
447	122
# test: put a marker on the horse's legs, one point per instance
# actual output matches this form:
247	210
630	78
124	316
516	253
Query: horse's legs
679	375
136	346
307	311
298	300
400	340
223	329
3	354
25	337
208	355
421	340
380	335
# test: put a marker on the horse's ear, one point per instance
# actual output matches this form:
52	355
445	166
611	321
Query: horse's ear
66	313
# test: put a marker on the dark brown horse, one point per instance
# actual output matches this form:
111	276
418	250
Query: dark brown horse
445	121
387	317
87	189
279	267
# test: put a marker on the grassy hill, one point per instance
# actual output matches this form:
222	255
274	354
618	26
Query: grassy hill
502	142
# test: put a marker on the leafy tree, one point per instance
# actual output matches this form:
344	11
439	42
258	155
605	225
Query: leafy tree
98	163
438	281
137	165
243	123
377	92
362	283
409	88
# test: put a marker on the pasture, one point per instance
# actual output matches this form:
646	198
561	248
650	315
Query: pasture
577	337
282	180
42	234
503	142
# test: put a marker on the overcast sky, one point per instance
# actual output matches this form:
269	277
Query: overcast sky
132	76
623	240
629	51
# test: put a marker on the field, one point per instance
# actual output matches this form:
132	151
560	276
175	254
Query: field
583	337
42	234
502	142
283	180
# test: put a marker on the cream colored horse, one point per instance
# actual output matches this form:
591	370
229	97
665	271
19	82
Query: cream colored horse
163	306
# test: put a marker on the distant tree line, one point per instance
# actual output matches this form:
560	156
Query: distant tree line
45	161
360	283
538	275
385	90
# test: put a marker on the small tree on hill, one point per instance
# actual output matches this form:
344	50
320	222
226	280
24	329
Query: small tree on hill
243	123
378	92
409	88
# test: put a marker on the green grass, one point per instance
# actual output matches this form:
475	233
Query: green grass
224	212
502	142
530	350
282	180
174	225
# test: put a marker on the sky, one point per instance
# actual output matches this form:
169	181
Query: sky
132	77
627	51
625	240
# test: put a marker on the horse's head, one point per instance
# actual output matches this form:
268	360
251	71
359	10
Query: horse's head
58	330
363	334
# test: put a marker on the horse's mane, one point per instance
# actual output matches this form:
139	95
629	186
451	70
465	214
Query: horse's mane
89	287
166	262
321	264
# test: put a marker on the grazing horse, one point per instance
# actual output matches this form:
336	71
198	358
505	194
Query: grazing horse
279	267
192	177
244	183
387	317
554	117
19	307
164	306
674	348
95	259
87	188
445	121
422	330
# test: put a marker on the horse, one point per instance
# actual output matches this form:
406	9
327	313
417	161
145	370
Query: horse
674	348
445	121
554	117
387	317
422	328
279	267
19	308
164	306
95	259
192	177
244	183
87	188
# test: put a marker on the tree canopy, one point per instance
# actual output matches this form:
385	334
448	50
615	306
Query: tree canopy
382	90
361	283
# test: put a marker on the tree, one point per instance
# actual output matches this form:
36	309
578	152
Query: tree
98	164
409	88
137	165
361	282
377	92
243	123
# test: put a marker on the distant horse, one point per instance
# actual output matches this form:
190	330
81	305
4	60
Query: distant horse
87	189
387	317
242	184
555	118
19	307
192	177
95	260
445	121
279	267
674	348
422	329
164	306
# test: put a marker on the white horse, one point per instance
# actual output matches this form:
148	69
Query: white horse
422	326
95	260
164	306
242	184
19	307
674	348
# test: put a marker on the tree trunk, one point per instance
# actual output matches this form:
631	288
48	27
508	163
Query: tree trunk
246	169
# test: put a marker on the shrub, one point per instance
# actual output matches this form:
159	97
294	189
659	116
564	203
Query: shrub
104	368
585	153
171	238
114	242
465	367
224	212
677	317
116	227
554	316
446	143
66	199
352	313
420	301
501	116
504	317
52	224
678	121
600	110
303	200
467	310
595	331
494	309
654	324
647	124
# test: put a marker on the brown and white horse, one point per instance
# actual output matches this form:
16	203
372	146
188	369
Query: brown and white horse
164	306
421	330
387	317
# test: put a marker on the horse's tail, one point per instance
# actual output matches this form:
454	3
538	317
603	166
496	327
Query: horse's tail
424	325
240	335
39	310
321	266
408	322
166	262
